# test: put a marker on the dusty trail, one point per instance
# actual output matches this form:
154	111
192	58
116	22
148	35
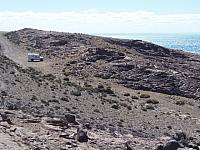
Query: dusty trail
13	52
19	55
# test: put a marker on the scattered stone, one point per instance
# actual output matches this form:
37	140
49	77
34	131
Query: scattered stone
169	127
126	94
171	145
180	135
64	135
33	120
63	148
5	124
82	135
71	119
57	122
159	147
193	146
13	129
87	126
149	106
5	117
115	106
134	97
129	146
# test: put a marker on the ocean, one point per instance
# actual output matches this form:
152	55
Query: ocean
189	42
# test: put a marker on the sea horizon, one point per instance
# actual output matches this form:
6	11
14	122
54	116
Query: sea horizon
189	42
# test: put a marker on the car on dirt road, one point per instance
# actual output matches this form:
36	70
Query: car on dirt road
35	57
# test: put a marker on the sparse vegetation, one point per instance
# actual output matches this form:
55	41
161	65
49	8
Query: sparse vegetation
49	77
108	90
126	94
100	88
54	101
116	104
65	99
152	101
144	96
180	103
134	97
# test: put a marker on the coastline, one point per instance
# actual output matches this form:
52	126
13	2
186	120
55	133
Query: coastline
188	42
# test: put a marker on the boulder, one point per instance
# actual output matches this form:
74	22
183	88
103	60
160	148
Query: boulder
159	147
171	145
71	119
82	135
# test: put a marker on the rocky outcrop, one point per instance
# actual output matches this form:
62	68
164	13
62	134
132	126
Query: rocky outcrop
158	79
95	54
147	48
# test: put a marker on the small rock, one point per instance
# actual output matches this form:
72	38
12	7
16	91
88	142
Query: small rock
171	145
5	117
88	126
180	135
82	135
198	143
67	136
169	127
57	122
13	129
193	146
63	135
63	148
149	106
5	124
159	147
129	146
71	119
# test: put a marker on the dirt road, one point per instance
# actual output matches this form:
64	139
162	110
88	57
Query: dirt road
13	51
19	55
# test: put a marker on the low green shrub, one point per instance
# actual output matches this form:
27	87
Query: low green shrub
144	96
152	101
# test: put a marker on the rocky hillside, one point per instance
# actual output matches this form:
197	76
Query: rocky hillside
132	63
99	93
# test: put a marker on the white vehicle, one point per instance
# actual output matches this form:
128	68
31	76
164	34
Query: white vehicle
34	57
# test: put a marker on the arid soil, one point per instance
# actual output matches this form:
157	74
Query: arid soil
127	94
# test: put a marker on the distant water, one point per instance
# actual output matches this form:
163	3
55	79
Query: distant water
189	42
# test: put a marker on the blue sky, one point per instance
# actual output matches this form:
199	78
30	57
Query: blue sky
102	16
159	6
